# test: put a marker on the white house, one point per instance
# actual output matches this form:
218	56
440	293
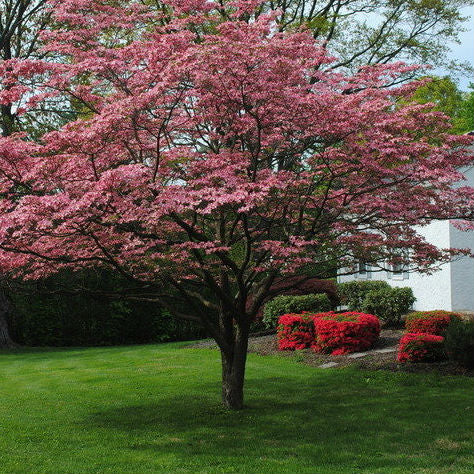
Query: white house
452	287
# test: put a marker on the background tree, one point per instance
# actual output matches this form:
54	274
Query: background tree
446	97
217	158
466	113
20	23
85	308
361	32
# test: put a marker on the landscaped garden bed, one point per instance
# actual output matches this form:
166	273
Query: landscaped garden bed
383	356
329	332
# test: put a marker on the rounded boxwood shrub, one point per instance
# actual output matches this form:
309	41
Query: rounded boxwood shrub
389	304
421	347
353	293
295	331
430	322
290	304
459	342
341	333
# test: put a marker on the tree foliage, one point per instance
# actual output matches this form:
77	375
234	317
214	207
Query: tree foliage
357	32
361	32
20	24
446	97
466	113
215	157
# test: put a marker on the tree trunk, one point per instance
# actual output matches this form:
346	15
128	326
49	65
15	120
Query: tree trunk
5	308
8	120
233	371
5	340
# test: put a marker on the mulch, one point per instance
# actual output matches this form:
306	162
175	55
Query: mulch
267	345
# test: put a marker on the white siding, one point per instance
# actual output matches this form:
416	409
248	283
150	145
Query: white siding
462	272
431	291
452	286
462	269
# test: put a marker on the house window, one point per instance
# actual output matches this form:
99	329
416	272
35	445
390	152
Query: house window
363	270
399	271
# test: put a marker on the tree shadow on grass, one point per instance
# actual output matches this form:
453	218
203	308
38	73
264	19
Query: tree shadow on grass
337	419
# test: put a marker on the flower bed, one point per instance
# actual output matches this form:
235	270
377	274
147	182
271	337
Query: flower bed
341	333
336	333
295	331
421	347
430	322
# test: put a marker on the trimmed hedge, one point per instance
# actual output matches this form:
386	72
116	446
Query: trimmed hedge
113	323
288	304
342	333
337	333
459	342
421	347
44	316
389	304
430	322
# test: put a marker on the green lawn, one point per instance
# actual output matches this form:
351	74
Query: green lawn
156	409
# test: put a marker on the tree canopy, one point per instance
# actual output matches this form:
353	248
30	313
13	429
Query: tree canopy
357	32
363	32
20	24
446	97
217	157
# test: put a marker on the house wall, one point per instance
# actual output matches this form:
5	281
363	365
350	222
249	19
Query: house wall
431	291
462	272
462	269
451	287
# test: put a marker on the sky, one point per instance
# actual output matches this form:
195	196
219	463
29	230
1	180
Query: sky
463	51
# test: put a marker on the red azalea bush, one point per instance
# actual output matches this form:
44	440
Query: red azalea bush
295	331
341	333
337	333
430	322
421	347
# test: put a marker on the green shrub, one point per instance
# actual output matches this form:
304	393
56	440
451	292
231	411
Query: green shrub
459	342
285	304
389	304
353	293
44	317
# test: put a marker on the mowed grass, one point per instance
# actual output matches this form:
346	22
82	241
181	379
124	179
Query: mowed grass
156	409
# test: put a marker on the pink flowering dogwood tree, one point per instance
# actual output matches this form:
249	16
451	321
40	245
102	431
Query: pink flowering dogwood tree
214	155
